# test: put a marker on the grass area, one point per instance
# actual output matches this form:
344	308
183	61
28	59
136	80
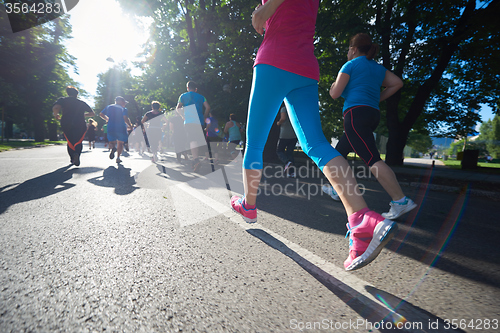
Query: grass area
19	144
454	164
483	167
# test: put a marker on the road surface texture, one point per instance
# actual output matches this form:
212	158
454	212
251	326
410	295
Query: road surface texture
143	247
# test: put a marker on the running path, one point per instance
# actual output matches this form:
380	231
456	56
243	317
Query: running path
115	247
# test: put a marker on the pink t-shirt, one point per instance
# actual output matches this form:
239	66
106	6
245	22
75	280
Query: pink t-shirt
288	40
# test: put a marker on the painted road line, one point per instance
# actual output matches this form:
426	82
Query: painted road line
373	304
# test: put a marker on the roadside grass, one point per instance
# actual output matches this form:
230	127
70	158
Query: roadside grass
451	163
21	144
455	164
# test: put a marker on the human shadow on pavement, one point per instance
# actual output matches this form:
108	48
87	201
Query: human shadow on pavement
167	171
40	187
374	312
169	168
118	178
413	312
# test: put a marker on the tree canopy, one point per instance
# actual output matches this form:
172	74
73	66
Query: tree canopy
33	73
490	136
209	42
441	51
445	52
435	47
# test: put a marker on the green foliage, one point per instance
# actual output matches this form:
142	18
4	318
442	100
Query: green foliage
209	42
428	44
420	141
490	136
33	73
118	81
458	146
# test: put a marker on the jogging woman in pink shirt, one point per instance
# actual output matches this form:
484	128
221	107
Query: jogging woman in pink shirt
286	70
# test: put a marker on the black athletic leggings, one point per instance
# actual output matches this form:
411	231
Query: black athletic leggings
359	124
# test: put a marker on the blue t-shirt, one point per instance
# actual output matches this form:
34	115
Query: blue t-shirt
190	98
115	113
363	88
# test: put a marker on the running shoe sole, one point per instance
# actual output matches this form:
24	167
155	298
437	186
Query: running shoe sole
383	233
112	154
404	211
247	219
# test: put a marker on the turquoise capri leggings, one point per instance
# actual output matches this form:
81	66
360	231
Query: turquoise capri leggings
270	86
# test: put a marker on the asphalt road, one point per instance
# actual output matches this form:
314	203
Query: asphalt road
140	247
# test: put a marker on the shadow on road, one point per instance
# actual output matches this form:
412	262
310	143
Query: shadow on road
412	313
39	187
118	178
447	239
389	309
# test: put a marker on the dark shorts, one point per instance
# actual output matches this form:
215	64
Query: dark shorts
214	139
359	124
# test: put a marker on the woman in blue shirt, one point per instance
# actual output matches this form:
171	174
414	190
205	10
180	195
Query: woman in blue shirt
359	83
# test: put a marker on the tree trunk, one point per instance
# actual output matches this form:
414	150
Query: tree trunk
398	131
9	129
38	125
52	127
395	147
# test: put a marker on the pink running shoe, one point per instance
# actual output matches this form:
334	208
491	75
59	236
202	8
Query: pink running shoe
367	239
249	215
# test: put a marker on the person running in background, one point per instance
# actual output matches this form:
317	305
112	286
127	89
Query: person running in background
116	115
359	82
91	129
153	126
136	138
73	122
212	136
105	135
286	143
293	77
176	126
194	122
233	129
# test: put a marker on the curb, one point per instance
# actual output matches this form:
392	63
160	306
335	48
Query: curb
432	187
449	189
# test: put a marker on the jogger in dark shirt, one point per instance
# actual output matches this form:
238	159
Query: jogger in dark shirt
73	122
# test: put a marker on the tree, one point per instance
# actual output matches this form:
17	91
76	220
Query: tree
117	81
209	42
490	136
427	43
33	72
421	142
460	146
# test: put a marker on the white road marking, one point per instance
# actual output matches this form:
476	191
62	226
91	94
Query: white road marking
348	286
